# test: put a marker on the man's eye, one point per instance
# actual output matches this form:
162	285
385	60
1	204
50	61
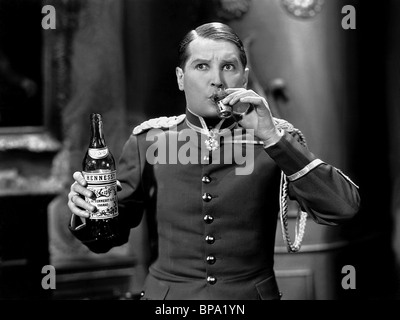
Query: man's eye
229	67
201	66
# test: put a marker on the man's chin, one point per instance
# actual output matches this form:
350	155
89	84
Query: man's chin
209	113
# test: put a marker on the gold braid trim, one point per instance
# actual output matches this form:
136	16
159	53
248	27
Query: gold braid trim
283	197
158	123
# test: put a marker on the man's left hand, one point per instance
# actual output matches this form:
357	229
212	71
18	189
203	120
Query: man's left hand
259	119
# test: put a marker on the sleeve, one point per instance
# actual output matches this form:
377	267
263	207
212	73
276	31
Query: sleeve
130	200
322	190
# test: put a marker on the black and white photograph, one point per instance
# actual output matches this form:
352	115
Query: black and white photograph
213	151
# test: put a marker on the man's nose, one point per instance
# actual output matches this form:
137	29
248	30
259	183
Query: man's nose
216	80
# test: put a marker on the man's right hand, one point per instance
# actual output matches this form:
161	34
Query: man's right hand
78	192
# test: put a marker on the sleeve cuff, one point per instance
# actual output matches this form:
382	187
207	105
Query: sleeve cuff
312	165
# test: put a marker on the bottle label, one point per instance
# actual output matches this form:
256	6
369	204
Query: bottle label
104	186
98	153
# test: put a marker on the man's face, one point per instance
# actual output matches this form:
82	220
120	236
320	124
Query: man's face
211	65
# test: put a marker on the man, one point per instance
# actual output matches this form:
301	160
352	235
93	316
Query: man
215	224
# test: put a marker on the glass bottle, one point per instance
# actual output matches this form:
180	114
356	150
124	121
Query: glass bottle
99	171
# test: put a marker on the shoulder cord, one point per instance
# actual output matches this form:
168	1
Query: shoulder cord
301	215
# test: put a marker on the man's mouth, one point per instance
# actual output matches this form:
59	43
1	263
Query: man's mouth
218	96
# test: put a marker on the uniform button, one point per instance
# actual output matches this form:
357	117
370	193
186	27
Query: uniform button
211	259
210	239
206	179
207	197
211	280
208	219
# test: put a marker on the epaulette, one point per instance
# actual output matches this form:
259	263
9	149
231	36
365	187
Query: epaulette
288	127
283	125
158	123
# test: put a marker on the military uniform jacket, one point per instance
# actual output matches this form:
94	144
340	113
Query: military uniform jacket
215	228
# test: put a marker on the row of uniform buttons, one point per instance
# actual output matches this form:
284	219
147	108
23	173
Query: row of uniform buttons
209	219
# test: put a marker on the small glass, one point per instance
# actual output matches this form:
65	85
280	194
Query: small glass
238	110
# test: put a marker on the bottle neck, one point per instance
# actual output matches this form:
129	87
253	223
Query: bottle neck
97	135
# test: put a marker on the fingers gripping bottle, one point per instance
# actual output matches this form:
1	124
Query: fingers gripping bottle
99	171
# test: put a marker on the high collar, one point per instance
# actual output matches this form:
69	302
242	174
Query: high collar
211	123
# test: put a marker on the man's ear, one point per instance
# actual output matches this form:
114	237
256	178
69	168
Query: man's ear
179	78
246	77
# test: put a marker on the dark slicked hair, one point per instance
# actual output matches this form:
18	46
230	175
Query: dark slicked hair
213	31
